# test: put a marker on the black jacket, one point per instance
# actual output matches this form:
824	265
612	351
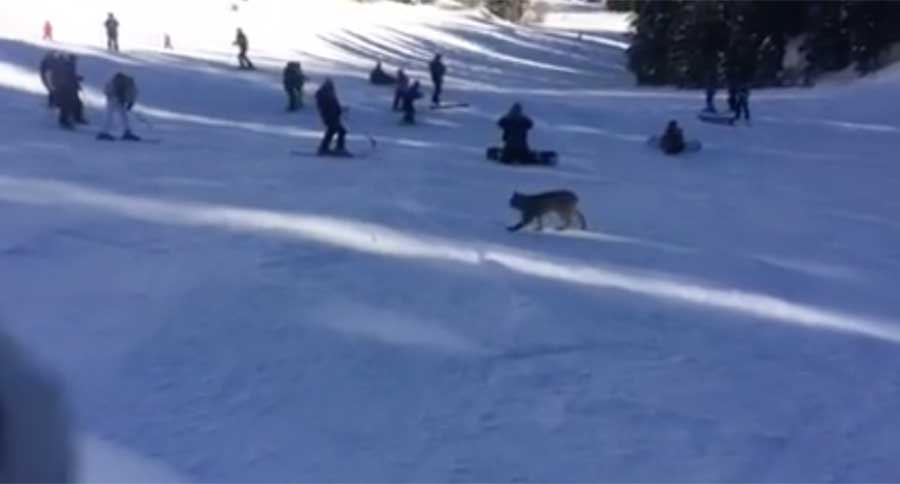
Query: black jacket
410	95
328	105
437	69
112	27
293	78
515	130
672	141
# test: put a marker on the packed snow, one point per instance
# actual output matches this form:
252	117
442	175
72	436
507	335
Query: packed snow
223	311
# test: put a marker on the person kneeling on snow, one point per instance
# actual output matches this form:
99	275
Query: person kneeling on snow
121	93
410	95
380	78
515	126
672	141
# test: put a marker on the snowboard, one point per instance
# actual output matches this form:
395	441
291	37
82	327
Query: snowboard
690	146
449	106
315	154
716	118
547	158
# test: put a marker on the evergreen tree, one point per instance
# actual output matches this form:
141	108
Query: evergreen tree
648	53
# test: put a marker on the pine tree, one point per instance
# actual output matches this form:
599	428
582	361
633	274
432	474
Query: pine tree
647	55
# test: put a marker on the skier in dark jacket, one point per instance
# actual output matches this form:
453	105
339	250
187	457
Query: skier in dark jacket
293	85
112	32
438	70
66	84
742	103
515	126
410	95
672	141
121	94
48	65
241	42
330	111
402	86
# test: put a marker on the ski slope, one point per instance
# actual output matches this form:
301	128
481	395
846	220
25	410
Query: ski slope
234	313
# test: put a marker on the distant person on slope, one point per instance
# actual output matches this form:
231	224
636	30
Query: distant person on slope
515	125
294	79
330	111
112	32
121	94
438	70
380	78
402	86
672	141
167	42
410	96
48	31
241	42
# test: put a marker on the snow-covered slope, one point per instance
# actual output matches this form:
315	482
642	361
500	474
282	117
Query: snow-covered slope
239	314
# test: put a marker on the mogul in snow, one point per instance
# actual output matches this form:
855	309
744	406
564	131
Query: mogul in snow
330	111
121	94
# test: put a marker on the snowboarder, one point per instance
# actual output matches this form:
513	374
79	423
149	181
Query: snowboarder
241	42
515	126
293	85
672	141
48	65
438	70
380	78
330	111
742	103
48	31
402	86
112	32
66	83
121	94
410	95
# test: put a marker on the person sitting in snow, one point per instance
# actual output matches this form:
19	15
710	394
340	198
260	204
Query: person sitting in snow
410	95
293	85
380	78
672	141
515	126
121	94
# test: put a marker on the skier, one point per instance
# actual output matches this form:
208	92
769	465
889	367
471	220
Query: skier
515	125
437	69
112	32
410	95
330	111
402	86
380	78
167	42
48	31
672	141
243	45
48	65
121	94
294	79
66	83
